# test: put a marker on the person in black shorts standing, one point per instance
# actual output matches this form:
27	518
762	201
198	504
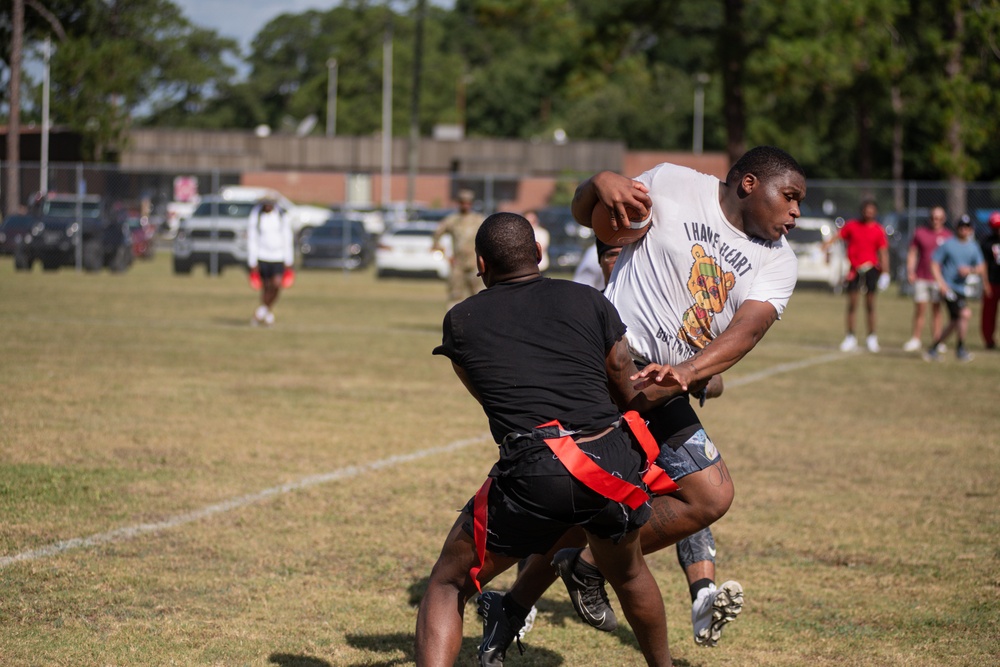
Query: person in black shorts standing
540	355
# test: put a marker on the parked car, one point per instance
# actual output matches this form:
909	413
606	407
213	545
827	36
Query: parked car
406	251
62	221
816	264
218	227
143	236
568	239
338	243
12	229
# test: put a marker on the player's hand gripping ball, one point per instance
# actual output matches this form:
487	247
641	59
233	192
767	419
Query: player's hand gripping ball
600	220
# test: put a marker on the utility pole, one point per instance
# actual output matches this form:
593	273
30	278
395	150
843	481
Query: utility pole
412	153
386	114
331	98
43	177
14	124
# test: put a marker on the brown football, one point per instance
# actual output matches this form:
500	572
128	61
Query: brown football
600	220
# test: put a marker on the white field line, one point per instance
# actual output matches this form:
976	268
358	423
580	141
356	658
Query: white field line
129	532
785	368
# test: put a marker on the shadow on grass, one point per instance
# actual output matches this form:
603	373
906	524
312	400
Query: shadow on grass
557	614
286	660
403	643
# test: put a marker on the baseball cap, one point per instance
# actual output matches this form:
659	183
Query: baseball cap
964	221
995	219
466	195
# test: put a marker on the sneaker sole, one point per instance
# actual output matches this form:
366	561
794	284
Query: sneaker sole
607	622
726	607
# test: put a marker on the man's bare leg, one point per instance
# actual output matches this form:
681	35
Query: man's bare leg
626	571
440	616
704	497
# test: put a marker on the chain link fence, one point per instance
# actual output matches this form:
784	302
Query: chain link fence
96	217
93	217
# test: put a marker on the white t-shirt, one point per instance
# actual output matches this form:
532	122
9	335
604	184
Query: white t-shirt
269	238
680	285
588	271
542	238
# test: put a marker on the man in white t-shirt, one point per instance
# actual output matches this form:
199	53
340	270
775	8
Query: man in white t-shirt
697	293
270	253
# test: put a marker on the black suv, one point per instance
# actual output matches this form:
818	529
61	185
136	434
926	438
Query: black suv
59	219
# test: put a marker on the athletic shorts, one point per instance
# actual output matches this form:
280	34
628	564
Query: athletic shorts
867	277
684	446
534	500
926	291
270	270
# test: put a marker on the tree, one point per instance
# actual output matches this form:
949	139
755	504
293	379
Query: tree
122	58
17	23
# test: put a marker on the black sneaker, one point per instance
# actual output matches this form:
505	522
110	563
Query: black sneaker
586	590
498	630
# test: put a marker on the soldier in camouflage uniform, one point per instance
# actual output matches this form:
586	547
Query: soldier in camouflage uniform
462	226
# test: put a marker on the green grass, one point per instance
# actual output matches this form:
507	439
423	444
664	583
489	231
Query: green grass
865	527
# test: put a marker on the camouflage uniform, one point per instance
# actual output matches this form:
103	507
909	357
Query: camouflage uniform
462	227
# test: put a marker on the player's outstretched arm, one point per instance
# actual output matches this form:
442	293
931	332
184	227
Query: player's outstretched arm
621	369
749	324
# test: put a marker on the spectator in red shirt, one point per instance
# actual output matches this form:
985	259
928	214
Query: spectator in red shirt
868	255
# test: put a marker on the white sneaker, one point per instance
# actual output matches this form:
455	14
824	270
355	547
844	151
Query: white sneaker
872	343
529	622
942	348
850	343
911	345
269	319
713	609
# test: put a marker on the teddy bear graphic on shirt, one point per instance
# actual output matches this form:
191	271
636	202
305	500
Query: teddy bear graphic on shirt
709	285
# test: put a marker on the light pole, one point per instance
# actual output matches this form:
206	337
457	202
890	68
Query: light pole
43	179
331	98
386	115
697	141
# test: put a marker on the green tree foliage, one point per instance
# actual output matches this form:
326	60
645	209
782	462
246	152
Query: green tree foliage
854	88
121	58
289	77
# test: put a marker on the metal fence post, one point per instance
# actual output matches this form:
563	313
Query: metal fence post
81	186
213	257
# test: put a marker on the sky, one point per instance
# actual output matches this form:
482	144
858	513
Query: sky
243	19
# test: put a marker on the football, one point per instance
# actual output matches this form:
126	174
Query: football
600	220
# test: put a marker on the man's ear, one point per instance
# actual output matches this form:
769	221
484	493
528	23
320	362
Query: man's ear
749	183
538	252
480	266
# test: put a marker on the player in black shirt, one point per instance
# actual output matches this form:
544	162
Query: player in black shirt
539	352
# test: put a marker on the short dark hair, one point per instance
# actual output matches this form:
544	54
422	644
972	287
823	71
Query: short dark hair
764	162
506	242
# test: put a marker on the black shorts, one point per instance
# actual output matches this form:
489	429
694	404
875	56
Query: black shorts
867	277
270	270
534	499
956	306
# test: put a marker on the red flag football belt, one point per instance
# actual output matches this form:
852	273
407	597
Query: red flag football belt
588	473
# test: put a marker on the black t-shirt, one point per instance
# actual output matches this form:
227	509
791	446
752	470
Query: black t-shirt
535	351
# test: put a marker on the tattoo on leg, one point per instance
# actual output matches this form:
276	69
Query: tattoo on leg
719	474
662	517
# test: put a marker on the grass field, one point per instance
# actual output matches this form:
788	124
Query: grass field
178	488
